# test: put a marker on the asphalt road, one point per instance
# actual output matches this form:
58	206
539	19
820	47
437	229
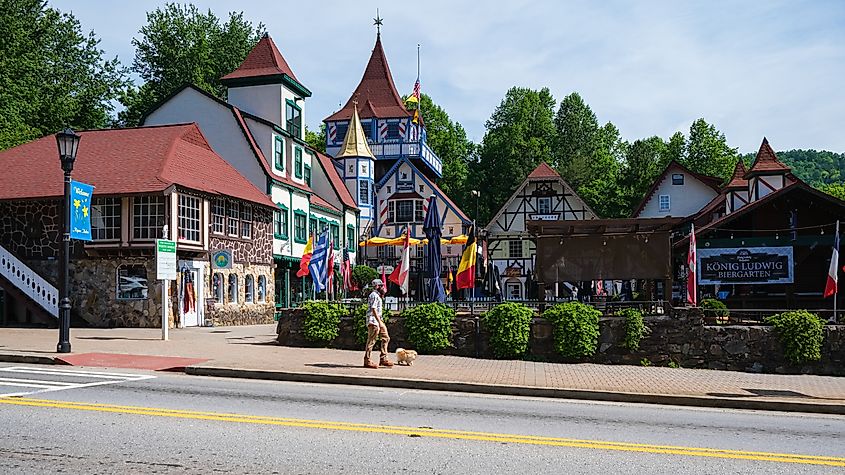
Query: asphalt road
126	422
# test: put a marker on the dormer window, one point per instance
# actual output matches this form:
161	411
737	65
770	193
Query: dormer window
677	178
293	114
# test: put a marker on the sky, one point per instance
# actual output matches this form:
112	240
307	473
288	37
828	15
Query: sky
755	68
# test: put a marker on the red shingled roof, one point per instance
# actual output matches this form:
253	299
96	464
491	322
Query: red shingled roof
542	171
264	60
337	182
376	93
125	161
766	161
738	179
317	201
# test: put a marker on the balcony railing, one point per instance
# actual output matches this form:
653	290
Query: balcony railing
395	150
29	282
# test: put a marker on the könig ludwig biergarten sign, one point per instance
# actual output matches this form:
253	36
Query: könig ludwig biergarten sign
745	265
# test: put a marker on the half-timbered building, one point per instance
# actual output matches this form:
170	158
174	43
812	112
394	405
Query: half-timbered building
543	196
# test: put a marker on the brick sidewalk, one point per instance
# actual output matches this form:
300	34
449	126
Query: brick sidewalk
253	348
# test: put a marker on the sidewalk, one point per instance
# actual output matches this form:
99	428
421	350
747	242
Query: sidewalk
251	352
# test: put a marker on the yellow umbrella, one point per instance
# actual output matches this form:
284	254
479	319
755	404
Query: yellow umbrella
462	239
375	241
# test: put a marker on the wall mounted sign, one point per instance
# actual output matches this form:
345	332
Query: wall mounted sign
222	259
745	265
80	210
544	217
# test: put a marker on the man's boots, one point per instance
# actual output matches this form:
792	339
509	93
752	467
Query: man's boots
369	364
385	362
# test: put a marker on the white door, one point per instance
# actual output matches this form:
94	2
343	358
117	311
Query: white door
191	296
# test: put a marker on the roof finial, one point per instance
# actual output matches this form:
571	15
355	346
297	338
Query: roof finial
378	21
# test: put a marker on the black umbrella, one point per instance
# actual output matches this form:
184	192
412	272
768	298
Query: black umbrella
433	267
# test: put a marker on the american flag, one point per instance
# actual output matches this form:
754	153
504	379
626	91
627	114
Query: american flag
417	90
346	271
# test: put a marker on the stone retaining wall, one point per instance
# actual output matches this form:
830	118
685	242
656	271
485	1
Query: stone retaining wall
682	339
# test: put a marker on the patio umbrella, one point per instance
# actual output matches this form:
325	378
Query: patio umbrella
433	267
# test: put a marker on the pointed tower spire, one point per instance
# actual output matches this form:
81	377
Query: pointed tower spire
766	162
355	142
738	178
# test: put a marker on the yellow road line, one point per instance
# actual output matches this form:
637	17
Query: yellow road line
435	433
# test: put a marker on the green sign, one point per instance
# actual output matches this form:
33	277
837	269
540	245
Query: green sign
165	259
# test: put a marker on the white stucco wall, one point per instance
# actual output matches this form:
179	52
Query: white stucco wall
684	200
265	101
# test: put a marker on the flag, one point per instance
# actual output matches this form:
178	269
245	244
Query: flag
466	269
416	94
330	278
416	119
831	287
692	286
319	264
449	279
599	287
346	272
400	274
306	258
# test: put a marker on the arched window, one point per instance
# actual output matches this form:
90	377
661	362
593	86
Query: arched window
249	289
233	288
262	288
217	287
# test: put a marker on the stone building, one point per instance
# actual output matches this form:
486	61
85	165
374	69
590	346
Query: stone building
146	179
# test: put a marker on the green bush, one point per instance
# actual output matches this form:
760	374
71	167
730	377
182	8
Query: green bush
576	328
800	333
510	326
715	309
322	321
634	328
359	322
429	326
362	275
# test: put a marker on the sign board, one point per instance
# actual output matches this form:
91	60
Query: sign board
222	259
387	270
165	259
80	210
741	265
513	272
405	186
544	217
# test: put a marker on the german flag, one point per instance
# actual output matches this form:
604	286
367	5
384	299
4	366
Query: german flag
466	269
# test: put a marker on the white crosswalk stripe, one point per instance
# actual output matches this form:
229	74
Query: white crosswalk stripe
45	379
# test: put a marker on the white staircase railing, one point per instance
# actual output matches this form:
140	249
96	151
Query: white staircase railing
29	282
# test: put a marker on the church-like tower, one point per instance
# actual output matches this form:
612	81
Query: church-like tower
357	166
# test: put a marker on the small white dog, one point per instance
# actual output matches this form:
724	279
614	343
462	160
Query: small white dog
405	357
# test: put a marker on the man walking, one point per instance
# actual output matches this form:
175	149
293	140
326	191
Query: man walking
376	327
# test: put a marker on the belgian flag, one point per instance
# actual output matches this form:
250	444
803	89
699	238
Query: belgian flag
466	269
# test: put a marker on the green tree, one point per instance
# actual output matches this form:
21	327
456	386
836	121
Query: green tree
520	134
707	151
180	44
645	160
834	189
676	148
52	75
449	141
317	140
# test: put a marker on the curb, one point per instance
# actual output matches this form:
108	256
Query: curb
527	391
27	358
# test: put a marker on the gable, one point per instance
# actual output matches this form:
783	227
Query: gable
561	201
684	199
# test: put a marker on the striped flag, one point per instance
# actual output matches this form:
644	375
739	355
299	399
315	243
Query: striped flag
466	269
401	274
319	265
346	272
450	279
306	258
417	90
832	285
692	285
330	278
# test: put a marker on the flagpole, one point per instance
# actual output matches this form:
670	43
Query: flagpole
836	267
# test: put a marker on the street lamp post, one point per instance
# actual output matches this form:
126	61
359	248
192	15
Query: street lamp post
68	143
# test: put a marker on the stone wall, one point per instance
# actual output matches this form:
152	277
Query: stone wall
259	249
682	339
224	311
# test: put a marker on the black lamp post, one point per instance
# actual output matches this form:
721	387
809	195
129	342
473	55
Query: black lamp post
68	143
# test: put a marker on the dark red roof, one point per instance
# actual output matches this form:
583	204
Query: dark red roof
317	201
766	161
264	60
376	93
542	171
711	181
738	179
335	179
125	161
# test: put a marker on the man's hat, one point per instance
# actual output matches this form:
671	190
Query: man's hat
376	283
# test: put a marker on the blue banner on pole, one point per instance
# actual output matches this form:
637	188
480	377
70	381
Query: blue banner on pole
80	210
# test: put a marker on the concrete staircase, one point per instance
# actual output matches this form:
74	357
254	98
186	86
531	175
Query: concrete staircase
28	298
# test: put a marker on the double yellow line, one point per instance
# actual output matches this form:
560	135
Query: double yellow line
435	433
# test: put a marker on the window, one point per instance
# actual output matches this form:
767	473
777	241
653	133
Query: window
233	288
324	224
404	211
663	200
234	219
393	130
515	249
105	219
294	118
364	169
279	153
363	192
391	211
312	226
307	175
246	222
217	287
280	223
189	218
418	211
262	289
299	227
367	125
341	131
147	217
677	178
297	165
544	205
514	290
249	289
422	188
132	282
218	216
334	229
350	237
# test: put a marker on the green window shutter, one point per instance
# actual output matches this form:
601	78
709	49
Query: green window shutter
297	155
279	153
307	175
299	227
350	237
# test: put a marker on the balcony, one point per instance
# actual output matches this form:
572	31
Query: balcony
397	150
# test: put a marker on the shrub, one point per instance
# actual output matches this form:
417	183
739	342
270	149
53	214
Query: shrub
363	275
634	328
510	326
576	328
800	333
359	322
429	326
322	321
715	309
